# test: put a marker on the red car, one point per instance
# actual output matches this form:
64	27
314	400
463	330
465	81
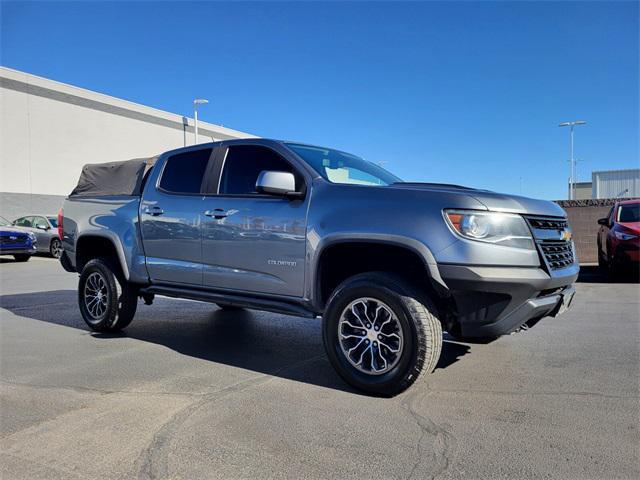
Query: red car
619	237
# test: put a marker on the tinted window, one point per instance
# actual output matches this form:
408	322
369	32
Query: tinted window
244	163
53	221
183	173
629	213
23	222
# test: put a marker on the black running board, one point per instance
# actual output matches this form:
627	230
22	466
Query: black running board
298	309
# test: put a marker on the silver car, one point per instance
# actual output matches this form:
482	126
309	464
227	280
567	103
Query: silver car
45	228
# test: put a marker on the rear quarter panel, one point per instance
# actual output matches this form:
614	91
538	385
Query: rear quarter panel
115	218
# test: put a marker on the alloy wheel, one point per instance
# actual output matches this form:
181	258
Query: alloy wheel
96	296
56	248
370	336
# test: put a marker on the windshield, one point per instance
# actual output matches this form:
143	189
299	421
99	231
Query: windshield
341	167
53	221
629	213
4	222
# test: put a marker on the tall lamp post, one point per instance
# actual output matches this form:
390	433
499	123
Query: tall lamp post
572	161
196	102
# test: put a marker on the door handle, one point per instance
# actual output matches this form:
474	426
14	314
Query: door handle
154	211
217	213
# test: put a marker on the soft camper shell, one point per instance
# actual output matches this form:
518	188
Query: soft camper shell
113	178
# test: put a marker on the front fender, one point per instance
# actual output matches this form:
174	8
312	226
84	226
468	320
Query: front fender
316	249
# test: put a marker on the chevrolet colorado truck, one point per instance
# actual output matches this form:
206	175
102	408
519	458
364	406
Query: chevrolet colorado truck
311	231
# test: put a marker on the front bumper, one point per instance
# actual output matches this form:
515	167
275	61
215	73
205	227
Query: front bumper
492	301
627	254
18	251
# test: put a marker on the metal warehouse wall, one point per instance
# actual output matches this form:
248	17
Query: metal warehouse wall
616	183
583	190
49	130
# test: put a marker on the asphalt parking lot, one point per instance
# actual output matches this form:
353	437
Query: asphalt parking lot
193	392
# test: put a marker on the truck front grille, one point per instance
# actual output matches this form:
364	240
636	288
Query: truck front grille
548	224
553	238
558	254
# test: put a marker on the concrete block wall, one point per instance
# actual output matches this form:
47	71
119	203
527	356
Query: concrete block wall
583	217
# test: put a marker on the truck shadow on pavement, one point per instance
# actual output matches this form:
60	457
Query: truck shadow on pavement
594	274
276	345
9	259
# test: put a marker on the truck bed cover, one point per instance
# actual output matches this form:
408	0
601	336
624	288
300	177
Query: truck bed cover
113	178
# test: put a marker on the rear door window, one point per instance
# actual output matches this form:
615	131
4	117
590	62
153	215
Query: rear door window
183	173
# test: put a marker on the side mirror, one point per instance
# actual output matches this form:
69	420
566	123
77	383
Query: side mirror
276	183
42	227
603	221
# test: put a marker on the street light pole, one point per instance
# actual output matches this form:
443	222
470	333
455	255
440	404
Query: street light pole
196	102
572	161
573	169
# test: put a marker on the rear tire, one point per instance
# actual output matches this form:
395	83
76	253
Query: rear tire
106	303
380	334
22	258
55	249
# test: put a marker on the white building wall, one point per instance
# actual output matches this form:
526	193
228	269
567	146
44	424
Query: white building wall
616	183
49	130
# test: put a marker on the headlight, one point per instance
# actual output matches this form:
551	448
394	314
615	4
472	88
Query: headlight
31	236
504	229
623	236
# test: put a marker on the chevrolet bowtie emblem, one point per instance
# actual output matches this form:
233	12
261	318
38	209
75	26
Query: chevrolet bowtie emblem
565	235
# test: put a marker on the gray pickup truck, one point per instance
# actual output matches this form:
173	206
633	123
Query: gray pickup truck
311	231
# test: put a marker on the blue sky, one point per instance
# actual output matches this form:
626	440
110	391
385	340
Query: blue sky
468	93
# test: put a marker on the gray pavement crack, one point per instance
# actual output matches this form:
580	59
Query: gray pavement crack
444	442
153	461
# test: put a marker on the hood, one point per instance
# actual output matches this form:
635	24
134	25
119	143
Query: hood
11	229
633	227
498	202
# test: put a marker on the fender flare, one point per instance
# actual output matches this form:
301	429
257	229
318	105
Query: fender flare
115	241
411	244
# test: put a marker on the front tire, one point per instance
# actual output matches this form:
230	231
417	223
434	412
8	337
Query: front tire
104	306
602	261
380	334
